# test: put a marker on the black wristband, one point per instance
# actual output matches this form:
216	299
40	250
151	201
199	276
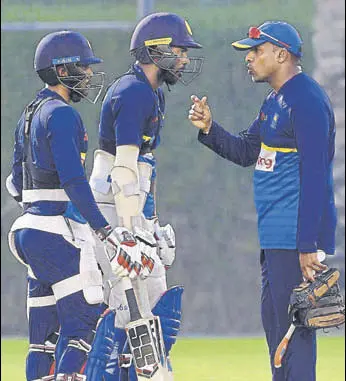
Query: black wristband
104	232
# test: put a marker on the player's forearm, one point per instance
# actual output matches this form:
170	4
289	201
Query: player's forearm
242	150
80	194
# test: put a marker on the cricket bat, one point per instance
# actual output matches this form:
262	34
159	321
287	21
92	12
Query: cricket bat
144	335
282	347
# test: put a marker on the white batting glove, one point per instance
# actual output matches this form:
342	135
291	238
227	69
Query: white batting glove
148	247
123	251
165	236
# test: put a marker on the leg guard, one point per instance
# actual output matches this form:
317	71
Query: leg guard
43	324
74	356
60	348
168	308
113	366
40	360
104	346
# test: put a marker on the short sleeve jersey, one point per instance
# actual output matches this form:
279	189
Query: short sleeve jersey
132	113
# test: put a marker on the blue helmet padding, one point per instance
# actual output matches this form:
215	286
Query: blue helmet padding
163	25
64	47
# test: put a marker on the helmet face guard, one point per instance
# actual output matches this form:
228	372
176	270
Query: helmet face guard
81	84
72	51
152	42
165	59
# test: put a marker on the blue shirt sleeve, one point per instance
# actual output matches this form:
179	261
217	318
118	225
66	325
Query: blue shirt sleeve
63	136
17	170
311	127
242	149
132	109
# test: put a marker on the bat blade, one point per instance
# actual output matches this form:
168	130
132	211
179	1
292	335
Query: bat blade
148	355
145	339
282	347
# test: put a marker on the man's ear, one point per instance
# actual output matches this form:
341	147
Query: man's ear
61	70
282	55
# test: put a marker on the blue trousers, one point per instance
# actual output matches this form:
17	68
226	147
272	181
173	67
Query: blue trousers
280	274
53	259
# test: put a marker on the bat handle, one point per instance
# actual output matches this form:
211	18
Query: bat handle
131	300
282	347
141	291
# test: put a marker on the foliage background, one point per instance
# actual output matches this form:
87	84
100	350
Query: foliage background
208	200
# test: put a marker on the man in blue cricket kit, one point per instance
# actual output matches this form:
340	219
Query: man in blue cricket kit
124	177
52	237
291	142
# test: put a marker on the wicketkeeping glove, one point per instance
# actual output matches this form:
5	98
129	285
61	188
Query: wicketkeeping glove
318	304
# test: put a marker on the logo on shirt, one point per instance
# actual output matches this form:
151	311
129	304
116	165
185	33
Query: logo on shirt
148	139
266	160
274	121
281	101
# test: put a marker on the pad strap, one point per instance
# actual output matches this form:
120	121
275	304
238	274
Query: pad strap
34	195
42	348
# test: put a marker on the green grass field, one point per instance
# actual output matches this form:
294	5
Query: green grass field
208	360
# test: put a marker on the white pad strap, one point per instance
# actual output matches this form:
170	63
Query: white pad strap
42	348
34	195
72	377
46	378
75	283
67	287
42	301
80	344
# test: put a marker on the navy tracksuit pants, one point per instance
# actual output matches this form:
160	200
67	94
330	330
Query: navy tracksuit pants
280	274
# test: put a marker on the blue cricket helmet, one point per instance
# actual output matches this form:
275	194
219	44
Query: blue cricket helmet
64	47
152	42
163	29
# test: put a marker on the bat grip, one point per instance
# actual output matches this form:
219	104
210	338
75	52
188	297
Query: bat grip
142	295
131	300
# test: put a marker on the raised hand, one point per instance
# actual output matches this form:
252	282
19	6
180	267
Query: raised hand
200	114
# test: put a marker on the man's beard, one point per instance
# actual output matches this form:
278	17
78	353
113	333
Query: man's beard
167	76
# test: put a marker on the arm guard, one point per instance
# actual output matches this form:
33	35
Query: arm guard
126	187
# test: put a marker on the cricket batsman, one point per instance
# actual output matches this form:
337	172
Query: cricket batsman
52	237
123	181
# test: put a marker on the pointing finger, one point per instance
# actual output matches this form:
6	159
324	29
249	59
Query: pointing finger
195	98
204	100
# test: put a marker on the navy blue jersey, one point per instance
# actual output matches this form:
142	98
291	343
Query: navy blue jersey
132	113
58	144
292	143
